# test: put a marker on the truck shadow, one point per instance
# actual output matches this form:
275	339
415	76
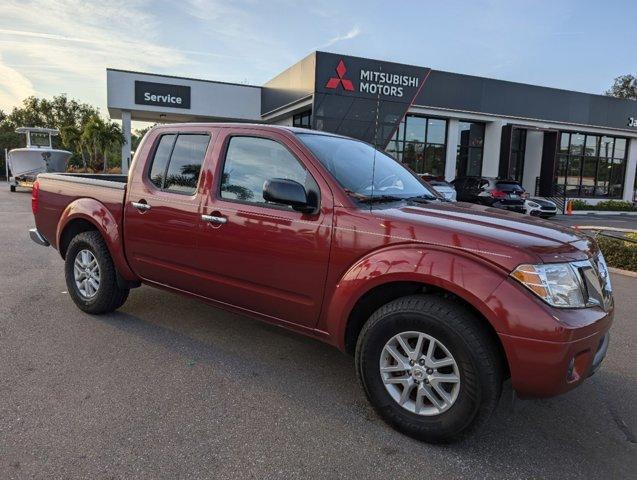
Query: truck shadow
319	380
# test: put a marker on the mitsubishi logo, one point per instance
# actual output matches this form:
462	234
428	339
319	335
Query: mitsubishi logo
333	82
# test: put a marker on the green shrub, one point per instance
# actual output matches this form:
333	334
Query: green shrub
580	205
619	253
617	205
605	206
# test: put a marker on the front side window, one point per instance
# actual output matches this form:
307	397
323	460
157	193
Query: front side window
363	171
250	161
177	162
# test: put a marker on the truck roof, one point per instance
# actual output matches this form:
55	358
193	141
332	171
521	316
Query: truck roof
261	126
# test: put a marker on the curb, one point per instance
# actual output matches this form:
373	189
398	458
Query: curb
602	212
619	271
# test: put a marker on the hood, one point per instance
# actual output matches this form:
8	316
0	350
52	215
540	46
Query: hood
499	236
542	202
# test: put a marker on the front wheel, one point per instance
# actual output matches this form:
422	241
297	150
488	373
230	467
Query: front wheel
428	368
91	278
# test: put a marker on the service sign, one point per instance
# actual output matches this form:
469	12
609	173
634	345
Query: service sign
343	75
162	94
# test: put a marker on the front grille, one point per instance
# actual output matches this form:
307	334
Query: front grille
596	280
547	208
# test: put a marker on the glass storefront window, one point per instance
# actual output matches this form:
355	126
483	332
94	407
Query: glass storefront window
592	145
415	131
564	141
590	165
436	131
470	149
420	143
577	144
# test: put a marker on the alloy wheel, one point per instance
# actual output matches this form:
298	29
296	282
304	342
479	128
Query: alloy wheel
420	373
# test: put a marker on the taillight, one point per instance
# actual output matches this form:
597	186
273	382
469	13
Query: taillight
495	193
35	196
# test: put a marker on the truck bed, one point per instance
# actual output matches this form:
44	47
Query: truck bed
57	191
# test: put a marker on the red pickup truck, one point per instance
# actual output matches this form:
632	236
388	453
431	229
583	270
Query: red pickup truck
439	302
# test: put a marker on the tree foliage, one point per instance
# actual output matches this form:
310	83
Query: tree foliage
624	86
92	140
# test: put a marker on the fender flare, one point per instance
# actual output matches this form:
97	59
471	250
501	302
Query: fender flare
469	277
98	215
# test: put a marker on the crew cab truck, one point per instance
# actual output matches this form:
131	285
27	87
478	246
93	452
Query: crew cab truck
438	302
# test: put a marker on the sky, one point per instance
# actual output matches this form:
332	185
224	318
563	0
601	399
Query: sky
48	47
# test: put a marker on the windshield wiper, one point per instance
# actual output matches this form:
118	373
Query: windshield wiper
380	198
373	198
422	198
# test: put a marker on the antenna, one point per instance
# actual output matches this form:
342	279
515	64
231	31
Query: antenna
375	144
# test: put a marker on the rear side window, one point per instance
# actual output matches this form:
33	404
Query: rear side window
157	171
250	161
177	162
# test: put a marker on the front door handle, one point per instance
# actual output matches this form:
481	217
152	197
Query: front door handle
215	219
141	206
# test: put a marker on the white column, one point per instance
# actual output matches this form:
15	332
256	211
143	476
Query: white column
631	169
491	155
452	147
532	159
126	146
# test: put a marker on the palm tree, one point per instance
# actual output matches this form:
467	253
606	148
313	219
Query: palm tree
92	137
112	137
72	139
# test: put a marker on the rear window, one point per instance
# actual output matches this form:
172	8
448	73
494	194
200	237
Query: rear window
509	187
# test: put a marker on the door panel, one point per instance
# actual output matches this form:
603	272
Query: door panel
265	258
160	237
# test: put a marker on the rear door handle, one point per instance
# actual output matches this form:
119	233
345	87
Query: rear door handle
217	220
141	206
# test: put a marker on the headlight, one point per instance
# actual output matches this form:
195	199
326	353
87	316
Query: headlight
558	284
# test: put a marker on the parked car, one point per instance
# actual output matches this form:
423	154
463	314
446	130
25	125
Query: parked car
441	186
540	207
493	192
438	302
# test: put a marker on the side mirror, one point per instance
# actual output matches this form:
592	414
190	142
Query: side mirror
287	192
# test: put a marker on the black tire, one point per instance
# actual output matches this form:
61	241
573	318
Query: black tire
109	295
12	188
460	331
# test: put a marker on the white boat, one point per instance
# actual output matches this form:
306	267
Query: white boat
38	156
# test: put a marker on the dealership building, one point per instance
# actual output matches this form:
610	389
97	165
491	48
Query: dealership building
438	123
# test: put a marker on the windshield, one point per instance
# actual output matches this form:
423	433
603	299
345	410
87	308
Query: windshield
351	162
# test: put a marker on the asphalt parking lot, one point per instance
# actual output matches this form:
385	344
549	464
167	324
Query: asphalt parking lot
171	388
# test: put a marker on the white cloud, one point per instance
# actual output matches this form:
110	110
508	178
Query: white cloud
353	33
71	42
13	87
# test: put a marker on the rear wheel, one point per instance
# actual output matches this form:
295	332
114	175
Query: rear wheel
91	278
428	368
12	188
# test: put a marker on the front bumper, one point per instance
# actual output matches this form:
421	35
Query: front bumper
38	238
549	351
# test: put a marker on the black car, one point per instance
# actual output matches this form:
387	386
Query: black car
493	192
